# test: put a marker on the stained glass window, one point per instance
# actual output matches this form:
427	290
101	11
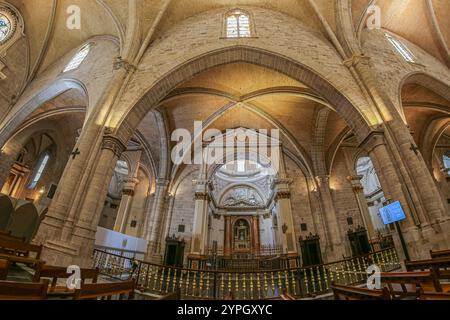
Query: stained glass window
238	25
5	27
78	58
401	48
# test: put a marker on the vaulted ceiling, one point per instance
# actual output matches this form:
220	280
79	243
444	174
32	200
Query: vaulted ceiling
229	96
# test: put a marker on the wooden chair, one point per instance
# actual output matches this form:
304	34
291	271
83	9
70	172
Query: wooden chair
4	267
19	251
342	292
402	285
23	291
105	290
439	254
55	273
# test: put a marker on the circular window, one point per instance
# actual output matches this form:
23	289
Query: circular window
5	27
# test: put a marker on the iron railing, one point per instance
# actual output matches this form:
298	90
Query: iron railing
256	285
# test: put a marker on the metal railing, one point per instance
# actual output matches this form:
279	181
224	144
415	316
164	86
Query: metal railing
257	285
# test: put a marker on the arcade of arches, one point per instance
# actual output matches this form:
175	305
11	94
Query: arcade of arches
360	118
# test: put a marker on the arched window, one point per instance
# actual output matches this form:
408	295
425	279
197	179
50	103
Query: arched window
5	27
39	170
401	48
238	24
78	58
446	160
369	181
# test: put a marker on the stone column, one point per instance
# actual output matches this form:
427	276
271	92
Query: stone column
362	204
125	204
200	229
227	243
76	246
255	236
335	248
157	220
284	210
170	200
93	165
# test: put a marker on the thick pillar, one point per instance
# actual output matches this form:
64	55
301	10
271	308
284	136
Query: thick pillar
75	246
286	221
157	221
125	204
335	249
362	204
200	229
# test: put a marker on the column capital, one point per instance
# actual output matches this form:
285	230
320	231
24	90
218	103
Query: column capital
160	182
283	195
112	143
356	183
201	196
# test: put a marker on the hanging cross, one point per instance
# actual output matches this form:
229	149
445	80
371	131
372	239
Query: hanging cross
414	148
75	153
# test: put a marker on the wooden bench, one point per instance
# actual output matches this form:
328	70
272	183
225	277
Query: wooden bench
402	285
19	251
439	266
105	290
439	254
23	291
55	273
342	292
4	267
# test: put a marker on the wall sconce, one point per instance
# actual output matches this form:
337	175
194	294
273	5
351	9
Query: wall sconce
284	228
42	190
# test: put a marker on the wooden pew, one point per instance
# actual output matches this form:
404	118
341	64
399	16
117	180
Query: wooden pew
23	291
439	266
439	254
342	292
4	267
18	251
105	290
402	285
55	273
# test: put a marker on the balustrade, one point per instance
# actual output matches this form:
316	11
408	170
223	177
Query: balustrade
259	284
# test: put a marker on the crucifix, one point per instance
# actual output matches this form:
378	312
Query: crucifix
75	153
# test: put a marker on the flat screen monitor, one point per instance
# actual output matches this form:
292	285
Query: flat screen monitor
392	213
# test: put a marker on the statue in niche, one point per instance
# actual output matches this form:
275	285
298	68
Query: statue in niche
242	235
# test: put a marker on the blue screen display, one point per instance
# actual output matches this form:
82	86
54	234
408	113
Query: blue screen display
392	213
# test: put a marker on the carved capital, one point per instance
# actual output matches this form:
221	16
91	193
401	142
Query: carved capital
201	196
113	144
283	195
128	192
